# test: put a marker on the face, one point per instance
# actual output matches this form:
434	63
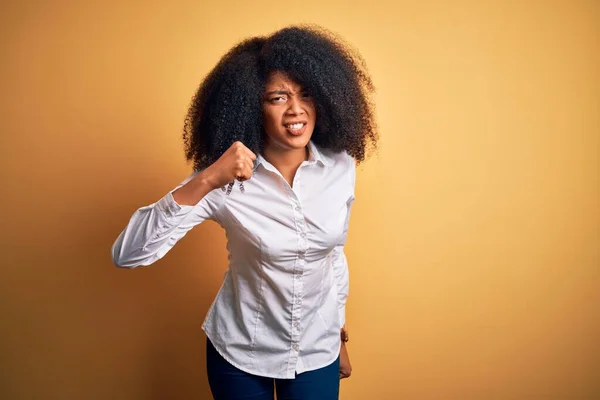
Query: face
289	114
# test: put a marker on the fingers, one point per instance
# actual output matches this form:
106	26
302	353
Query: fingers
243	160
251	155
241	148
244	168
250	164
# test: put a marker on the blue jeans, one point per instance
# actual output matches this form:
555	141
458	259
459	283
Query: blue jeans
229	383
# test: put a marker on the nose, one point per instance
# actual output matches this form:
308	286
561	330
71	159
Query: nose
295	106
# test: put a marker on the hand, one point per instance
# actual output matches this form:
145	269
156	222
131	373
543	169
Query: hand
236	163
345	367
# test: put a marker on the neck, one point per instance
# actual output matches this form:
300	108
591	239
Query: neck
281	158
286	161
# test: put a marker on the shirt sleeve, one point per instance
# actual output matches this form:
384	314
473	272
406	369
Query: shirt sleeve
153	230
340	263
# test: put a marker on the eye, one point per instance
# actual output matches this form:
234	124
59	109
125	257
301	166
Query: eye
277	99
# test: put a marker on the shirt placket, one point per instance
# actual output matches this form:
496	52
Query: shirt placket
298	284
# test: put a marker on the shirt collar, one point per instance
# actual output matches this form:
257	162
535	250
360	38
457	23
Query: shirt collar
314	156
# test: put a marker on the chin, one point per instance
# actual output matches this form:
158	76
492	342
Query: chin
291	142
299	141
296	143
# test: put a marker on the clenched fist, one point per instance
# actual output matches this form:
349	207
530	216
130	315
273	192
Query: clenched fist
236	163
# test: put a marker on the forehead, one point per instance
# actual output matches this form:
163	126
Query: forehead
279	80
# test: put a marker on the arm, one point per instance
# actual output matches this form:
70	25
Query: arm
341	276
340	263
153	230
340	271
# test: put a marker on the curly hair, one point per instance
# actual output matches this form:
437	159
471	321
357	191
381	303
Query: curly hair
227	105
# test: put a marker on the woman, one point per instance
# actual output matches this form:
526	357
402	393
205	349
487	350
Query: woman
286	116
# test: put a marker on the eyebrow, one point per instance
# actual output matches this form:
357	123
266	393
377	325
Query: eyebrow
272	92
277	92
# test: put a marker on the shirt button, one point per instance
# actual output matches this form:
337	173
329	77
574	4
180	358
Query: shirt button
298	301
303	235
295	347
298	208
301	256
296	324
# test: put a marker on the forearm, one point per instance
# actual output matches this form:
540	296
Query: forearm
153	230
340	268
195	190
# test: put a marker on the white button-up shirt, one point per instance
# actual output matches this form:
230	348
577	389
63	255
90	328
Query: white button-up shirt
282	302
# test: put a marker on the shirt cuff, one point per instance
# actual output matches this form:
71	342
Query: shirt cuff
169	208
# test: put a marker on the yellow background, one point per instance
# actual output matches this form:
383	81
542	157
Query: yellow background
474	245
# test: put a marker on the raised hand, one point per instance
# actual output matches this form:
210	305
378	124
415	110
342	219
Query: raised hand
236	163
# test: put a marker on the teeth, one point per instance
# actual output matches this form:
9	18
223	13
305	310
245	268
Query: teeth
296	126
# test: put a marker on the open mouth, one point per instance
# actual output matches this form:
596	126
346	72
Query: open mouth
296	128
